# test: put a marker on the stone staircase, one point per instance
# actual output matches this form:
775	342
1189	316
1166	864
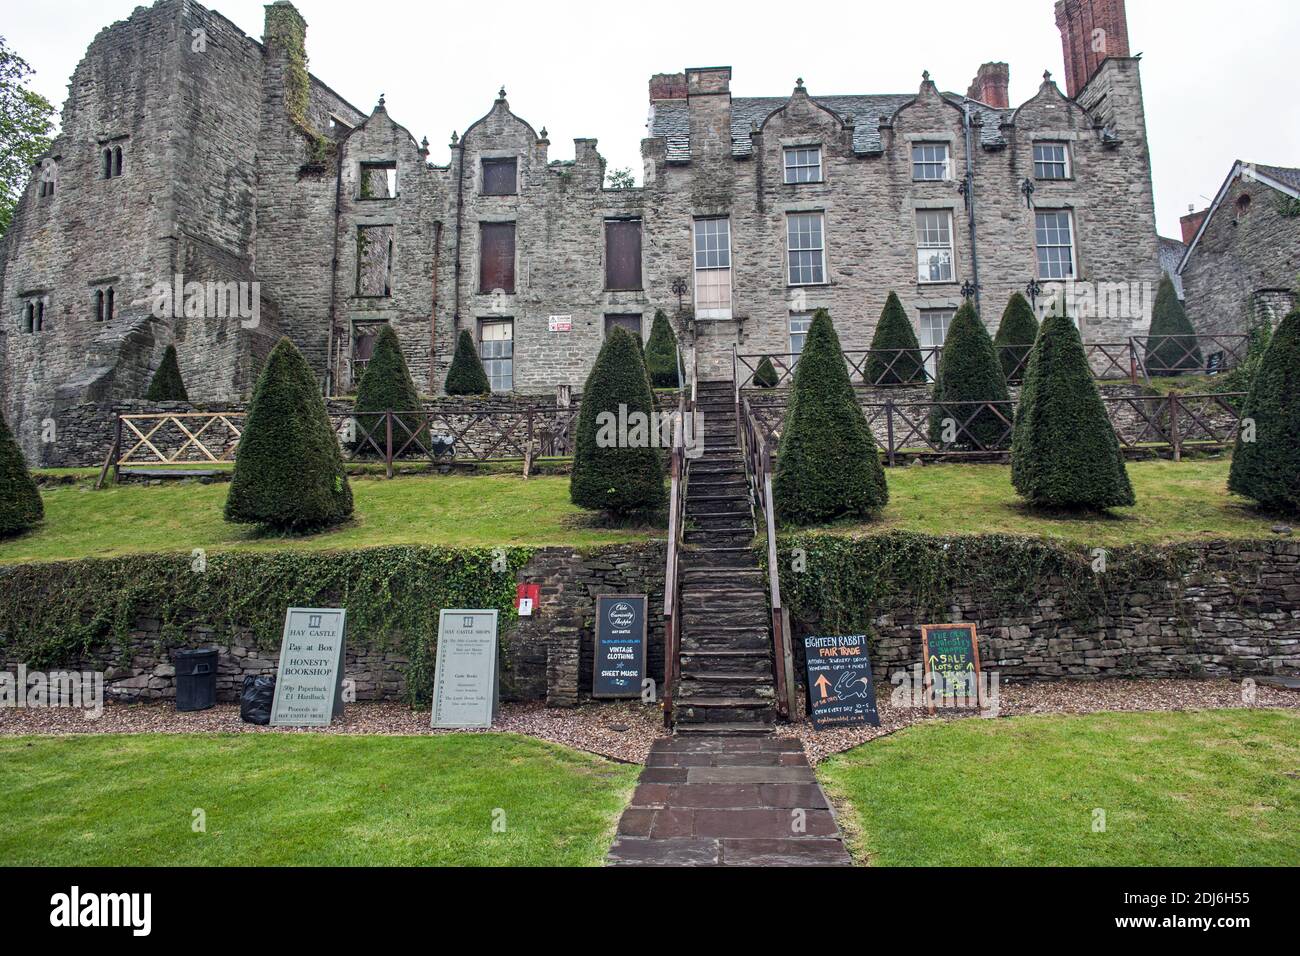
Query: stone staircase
727	684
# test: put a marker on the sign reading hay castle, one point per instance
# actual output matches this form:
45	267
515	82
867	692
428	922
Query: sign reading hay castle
198	162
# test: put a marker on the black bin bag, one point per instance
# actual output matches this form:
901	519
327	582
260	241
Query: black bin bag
255	700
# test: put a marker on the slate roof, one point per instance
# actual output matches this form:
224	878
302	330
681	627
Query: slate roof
1171	257
1283	174
671	121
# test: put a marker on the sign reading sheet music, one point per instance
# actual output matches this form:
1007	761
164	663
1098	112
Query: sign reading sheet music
309	682
465	688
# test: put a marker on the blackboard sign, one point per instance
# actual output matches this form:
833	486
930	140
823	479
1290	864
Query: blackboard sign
951	653
309	681
465	680
619	666
841	690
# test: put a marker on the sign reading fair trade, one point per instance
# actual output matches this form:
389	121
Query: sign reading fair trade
841	690
619	667
465	681
309	682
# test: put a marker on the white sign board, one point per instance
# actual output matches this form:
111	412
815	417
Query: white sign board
560	323
465	687
309	681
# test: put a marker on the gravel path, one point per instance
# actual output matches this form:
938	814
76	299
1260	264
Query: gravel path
626	731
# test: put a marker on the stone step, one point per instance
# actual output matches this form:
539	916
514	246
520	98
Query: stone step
720	537
696	710
721	483
754	729
738	558
720	580
720	521
727	661
753	688
716	504
752	636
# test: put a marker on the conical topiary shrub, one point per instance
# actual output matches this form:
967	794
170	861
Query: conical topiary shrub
615	470
466	375
661	353
895	353
386	386
969	371
1065	453
1172	346
1267	468
288	469
20	499
827	467
167	385
1016	336
765	375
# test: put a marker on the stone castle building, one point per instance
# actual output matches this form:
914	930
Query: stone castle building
192	153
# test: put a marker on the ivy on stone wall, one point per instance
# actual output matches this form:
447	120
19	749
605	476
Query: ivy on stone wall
54	615
286	30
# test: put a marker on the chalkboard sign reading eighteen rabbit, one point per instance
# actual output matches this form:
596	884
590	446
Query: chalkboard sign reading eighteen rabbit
841	690
951	654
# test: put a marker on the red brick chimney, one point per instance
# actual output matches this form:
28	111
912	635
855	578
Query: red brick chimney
1192	223
991	84
1091	31
668	86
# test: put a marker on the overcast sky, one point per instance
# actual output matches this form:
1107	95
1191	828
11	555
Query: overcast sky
1215	74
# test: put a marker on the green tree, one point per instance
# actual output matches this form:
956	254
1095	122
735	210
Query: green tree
1266	462
26	119
969	371
167	384
466	375
661	353
765	375
288	469
1016	335
20	499
620	179
895	353
1065	453
828	466
618	473
1172	347
1242	376
386	386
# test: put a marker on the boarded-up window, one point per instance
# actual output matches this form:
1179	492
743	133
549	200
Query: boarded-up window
623	254
499	177
497	257
629	321
375	261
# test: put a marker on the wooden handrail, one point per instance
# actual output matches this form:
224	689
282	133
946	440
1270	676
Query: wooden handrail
676	542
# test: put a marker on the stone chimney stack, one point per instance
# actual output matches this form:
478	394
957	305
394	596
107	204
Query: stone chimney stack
991	85
1192	223
668	86
1091	32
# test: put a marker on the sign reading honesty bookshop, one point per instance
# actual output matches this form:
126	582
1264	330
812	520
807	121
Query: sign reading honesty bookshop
951	653
619	666
309	682
465	687
841	690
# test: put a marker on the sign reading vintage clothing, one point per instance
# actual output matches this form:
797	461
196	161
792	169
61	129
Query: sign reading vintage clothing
841	690
465	679
309	681
619	666
951	654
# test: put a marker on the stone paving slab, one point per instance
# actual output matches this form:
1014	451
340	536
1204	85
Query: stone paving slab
728	801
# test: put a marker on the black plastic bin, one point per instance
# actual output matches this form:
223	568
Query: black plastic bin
196	679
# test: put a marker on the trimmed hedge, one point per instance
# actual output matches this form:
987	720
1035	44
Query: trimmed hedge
827	467
969	371
167	385
288	469
1171	356
1016	336
894	333
466	375
1065	453
765	375
608	474
661	353
1268	468
21	507
386	386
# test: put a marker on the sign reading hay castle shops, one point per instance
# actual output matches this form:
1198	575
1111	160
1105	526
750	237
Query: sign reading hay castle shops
465	688
841	690
309	682
619	666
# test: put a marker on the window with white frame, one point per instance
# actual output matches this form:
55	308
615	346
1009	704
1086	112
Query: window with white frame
799	323
930	162
803	164
934	245
1054	236
806	247
713	268
1051	161
934	332
496	338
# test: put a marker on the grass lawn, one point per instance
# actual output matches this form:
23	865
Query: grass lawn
280	799
1178	789
1182	501
448	510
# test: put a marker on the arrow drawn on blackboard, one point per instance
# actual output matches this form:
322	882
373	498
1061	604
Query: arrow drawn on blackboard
822	684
